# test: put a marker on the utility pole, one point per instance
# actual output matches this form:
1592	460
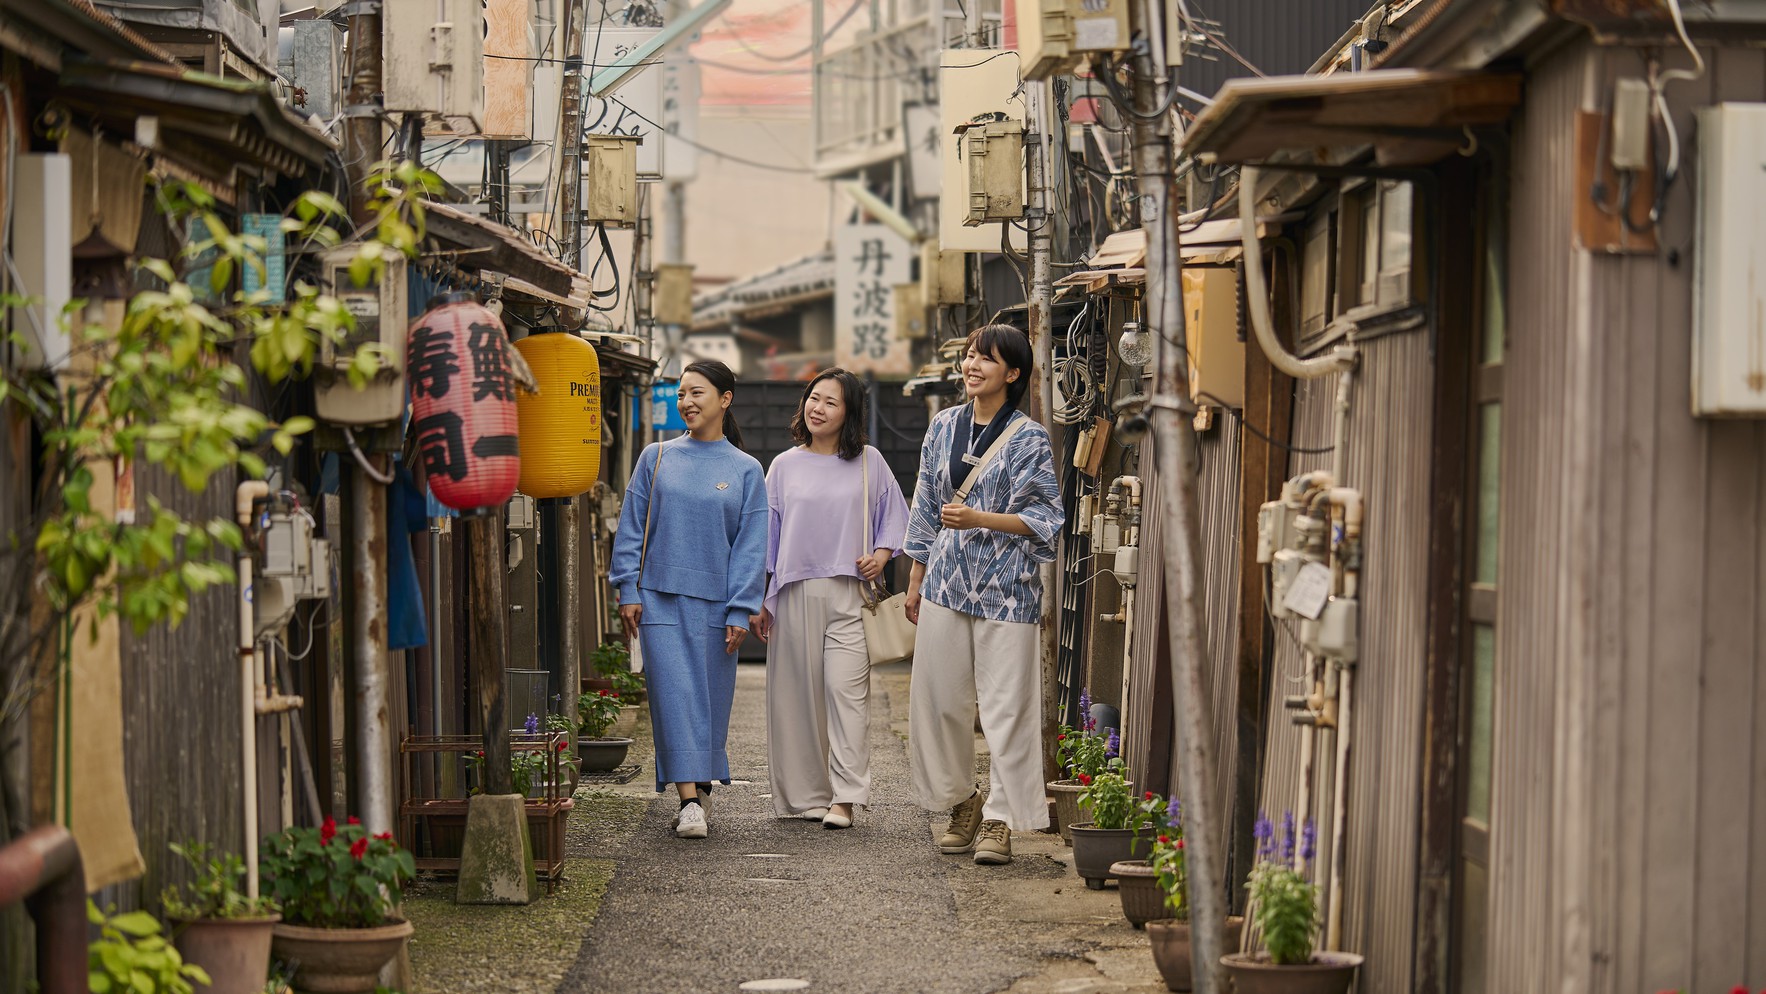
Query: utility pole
490	648
1041	298
674	237
367	495
569	146
1176	448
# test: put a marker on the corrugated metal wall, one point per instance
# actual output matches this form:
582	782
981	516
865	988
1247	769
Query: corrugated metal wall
1388	460
1276	36
1629	795
1217	490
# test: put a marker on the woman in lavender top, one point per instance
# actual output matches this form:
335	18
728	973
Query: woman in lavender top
819	680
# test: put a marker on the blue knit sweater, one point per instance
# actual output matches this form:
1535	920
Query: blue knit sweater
708	531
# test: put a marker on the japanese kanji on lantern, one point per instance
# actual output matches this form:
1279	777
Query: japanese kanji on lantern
560	425
463	403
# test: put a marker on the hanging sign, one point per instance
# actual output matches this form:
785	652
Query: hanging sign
869	260
635	108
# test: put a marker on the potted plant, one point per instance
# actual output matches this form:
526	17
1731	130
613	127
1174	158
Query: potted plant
1168	932
1118	824
1285	907
218	928
1137	880
1081	751
608	659
131	955
598	751
629	686
339	889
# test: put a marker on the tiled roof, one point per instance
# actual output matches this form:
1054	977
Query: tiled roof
809	277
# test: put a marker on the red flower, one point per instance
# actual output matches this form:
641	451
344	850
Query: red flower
1165	839
1149	796
562	745
1180	843
384	836
327	831
481	754
1085	779
354	820
1059	738
359	848
1740	989
605	694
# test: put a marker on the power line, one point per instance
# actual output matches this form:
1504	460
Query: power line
708	150
800	53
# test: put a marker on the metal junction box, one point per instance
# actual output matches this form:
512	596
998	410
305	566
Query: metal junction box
434	62
1729	297
380	313
994	152
1054	35
610	180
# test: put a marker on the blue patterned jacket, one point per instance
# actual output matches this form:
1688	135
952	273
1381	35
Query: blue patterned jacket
979	571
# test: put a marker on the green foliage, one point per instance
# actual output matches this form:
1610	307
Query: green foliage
1172	872
1107	800
1287	911
215	892
609	658
1080	751
627	684
596	713
335	876
130	956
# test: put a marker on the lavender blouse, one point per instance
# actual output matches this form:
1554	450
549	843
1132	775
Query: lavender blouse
817	516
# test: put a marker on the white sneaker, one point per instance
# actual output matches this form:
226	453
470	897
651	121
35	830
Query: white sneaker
814	814
691	823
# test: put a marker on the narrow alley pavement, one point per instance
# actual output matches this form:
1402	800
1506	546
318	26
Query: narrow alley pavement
873	910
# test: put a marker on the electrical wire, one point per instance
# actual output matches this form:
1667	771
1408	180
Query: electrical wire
713	152
800	53
1236	415
1125	103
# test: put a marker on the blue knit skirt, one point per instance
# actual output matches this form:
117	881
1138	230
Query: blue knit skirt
692	684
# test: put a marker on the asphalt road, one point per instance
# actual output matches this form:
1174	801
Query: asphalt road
871	910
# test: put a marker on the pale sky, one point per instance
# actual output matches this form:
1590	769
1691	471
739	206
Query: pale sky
772	28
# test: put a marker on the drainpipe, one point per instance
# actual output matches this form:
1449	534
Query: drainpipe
42	868
249	491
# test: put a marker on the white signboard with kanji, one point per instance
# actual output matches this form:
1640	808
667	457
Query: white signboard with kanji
635	108
680	118
869	260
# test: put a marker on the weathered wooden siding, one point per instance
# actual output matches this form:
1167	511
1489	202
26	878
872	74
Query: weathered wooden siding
1388	460
1629	799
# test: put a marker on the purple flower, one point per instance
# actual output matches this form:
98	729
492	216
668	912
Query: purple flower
1308	840
1287	847
1086	724
533	724
1264	832
1174	813
1112	745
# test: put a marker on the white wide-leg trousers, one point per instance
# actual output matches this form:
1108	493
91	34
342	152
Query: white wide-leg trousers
818	692
962	663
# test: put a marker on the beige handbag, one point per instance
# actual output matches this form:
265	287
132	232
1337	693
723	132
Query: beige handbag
889	635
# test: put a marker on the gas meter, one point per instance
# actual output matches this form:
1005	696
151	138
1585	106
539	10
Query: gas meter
380	314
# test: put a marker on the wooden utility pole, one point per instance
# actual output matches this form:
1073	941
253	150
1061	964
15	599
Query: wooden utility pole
490	642
1041	299
569	147
1175	439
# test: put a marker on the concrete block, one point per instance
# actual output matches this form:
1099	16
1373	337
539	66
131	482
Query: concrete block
496	858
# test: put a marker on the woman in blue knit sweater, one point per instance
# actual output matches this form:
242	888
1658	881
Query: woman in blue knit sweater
689	562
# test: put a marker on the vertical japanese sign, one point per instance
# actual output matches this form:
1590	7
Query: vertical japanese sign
635	108
869	260
680	118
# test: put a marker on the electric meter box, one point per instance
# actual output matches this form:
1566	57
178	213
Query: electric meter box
380	313
673	298
910	312
610	180
941	275
1729	299
994	152
1054	35
433	52
1211	329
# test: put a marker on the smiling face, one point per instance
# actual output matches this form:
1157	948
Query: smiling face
985	374
701	406
824	410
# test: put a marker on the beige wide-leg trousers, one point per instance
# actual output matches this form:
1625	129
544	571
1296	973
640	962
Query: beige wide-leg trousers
818	695
962	662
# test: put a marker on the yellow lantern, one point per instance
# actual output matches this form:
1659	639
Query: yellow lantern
560	425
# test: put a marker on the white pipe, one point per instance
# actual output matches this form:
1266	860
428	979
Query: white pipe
1257	295
1308	736
1127	648
1339	813
248	491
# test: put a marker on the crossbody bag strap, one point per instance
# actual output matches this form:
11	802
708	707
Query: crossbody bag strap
650	506
962	495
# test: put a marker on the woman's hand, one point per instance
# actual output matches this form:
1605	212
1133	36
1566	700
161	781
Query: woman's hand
763	624
912	605
733	636
959	516
629	616
871	567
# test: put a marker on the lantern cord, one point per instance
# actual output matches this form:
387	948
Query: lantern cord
349	437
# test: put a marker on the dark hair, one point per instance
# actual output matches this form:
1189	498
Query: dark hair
1012	346
852	430
723	381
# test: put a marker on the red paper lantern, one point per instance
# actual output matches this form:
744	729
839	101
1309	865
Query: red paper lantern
463	411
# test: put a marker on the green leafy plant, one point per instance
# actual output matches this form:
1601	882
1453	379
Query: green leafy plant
627	684
610	658
1107	800
1286	905
528	766
1168	862
214	893
596	713
335	876
130	956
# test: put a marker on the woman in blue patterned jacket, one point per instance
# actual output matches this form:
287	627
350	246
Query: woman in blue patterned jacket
976	594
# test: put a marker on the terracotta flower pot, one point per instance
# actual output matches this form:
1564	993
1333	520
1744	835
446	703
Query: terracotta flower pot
1095	850
1142	898
1328	973
234	951
1067	814
339	960
1170	939
602	755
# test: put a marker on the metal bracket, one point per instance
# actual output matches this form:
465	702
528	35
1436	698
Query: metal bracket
358	8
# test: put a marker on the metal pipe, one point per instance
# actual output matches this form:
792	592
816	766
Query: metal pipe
243	496
1257	296
1340	810
42	868
368	634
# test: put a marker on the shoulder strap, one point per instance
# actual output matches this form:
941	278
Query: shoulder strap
649	506
999	444
864	545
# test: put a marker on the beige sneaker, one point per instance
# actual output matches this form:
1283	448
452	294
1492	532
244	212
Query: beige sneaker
965	818
993	846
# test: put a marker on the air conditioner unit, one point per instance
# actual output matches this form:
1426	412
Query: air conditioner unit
994	151
381	316
433	52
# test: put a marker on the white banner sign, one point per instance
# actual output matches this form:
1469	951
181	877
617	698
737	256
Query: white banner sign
869	260
680	118
635	108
